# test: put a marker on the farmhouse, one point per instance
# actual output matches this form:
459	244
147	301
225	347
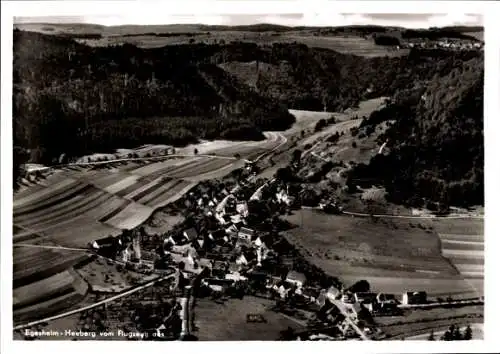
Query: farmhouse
246	233
414	297
296	278
232	230
190	234
242	209
386	298
217	234
365	298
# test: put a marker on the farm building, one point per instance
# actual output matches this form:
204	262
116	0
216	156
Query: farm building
414	297
296	278
241	260
246	233
386	298
236	219
242	209
190	234
216	234
365	298
185	250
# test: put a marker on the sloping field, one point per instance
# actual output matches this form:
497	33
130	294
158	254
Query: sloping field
346	120
170	195
63	185
34	264
392	255
149	169
346	44
462	242
132	215
57	285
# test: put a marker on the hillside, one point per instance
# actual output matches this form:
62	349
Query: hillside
74	99
102	98
436	146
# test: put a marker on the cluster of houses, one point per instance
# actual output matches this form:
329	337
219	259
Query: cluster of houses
234	257
445	44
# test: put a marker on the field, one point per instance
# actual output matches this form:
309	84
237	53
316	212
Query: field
75	205
227	322
346	44
420	322
394	255
462	242
106	278
142	36
347	120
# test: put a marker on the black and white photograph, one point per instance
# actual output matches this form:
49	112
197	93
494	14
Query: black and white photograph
294	176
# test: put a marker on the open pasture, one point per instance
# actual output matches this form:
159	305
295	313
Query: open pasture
462	242
420	322
394	255
345	44
228	321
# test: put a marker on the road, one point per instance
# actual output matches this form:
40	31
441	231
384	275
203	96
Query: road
343	310
103	302
51	247
275	138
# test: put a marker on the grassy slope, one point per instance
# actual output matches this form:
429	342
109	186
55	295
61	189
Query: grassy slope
394	255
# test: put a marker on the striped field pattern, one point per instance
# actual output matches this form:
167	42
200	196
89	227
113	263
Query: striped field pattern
74	205
462	243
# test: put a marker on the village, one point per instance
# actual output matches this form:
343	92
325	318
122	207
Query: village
230	246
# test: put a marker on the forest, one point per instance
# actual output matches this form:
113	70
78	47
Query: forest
436	145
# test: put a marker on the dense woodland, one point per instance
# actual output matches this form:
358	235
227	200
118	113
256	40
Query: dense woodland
74	99
436	145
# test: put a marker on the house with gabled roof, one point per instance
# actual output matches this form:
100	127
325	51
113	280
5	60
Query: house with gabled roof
246	233
190	234
294	277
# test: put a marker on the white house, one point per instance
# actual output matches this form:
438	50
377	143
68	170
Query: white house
242	209
241	260
246	233
296	278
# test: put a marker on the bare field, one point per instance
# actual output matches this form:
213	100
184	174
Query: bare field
394	255
416	322
346	44
227	322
